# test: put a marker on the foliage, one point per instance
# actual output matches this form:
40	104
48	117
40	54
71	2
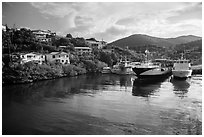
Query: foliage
78	42
69	36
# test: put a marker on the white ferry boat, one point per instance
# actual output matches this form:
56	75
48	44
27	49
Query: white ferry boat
182	69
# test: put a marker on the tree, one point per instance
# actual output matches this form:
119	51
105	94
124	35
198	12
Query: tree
69	36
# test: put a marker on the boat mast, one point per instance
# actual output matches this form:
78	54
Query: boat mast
146	55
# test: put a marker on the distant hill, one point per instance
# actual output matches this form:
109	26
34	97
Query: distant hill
192	50
193	46
138	40
184	39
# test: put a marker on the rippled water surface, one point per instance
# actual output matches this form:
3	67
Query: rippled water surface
103	104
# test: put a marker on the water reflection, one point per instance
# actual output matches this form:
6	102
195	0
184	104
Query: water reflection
145	88
180	87
89	104
62	88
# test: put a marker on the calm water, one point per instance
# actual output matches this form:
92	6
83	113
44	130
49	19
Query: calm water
103	104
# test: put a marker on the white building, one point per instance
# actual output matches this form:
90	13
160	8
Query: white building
94	44
43	35
83	50
36	57
61	57
3	27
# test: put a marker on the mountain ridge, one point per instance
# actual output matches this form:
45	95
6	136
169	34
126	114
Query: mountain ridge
136	40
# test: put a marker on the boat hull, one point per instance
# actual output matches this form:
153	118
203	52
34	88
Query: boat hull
156	74
138	71
182	74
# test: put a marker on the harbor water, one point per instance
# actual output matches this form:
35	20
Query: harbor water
103	104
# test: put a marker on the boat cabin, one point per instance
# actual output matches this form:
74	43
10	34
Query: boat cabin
182	65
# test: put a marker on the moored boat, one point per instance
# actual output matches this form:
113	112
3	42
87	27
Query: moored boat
144	66
156	74
182	69
106	70
122	68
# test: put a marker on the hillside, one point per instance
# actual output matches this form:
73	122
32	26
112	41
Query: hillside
184	39
192	50
138	40
194	46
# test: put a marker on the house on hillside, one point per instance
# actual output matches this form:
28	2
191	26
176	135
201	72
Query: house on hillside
60	57
43	35
94	44
83	50
36	57
3	27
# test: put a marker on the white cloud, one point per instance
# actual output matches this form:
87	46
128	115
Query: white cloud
116	20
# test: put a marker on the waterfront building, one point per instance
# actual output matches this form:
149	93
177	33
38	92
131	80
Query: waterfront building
60	57
94	44
36	57
83	50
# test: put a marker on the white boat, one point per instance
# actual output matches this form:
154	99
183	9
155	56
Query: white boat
123	68
182	69
106	70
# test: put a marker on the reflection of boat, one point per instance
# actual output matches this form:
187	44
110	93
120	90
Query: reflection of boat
182	69
106	70
180	87
145	88
123	68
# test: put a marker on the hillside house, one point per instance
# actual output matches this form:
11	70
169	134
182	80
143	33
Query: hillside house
43	35
83	50
36	57
60	57
94	44
3	28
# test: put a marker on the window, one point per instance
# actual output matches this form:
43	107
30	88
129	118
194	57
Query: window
59	56
53	56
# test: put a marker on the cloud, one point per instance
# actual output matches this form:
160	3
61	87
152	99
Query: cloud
192	12
126	21
58	10
113	32
83	21
112	20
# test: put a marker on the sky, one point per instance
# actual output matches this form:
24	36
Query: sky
107	21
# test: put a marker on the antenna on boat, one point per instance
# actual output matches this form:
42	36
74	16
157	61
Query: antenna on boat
182	56
146	56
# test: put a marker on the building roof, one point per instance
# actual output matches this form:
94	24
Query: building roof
82	48
31	53
55	53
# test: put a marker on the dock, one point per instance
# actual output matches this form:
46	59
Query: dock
197	69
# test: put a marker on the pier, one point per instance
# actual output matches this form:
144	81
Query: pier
197	69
